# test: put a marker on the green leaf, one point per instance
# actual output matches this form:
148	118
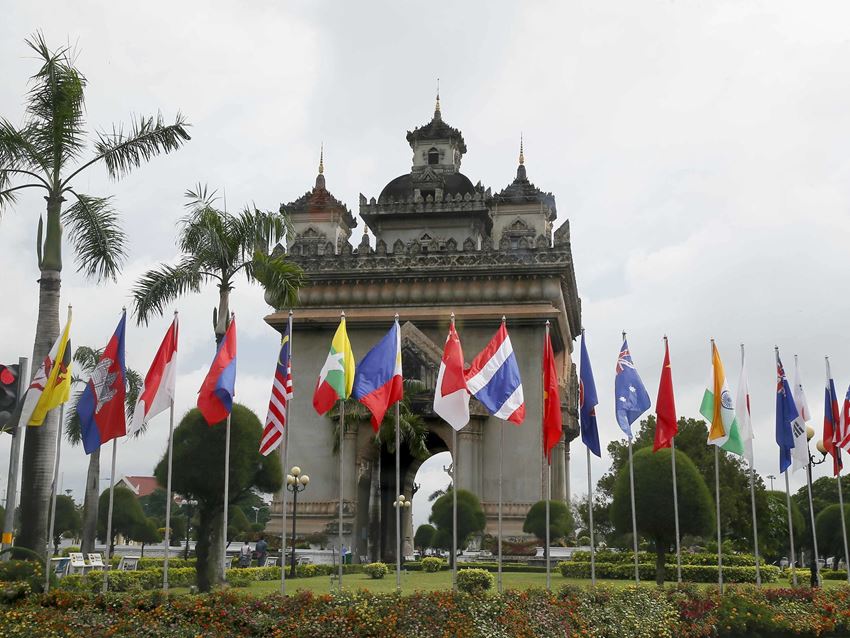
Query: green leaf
96	235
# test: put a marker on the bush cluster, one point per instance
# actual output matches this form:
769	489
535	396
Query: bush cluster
376	570
688	558
432	564
690	573
474	581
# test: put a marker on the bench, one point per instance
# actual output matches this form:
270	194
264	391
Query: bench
60	566
128	563
96	561
77	564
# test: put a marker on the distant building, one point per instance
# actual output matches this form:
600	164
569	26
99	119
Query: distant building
139	485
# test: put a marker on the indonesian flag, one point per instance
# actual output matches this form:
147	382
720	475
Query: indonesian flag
336	377
158	390
552	418
451	398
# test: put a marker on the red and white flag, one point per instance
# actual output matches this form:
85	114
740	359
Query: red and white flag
158	391
451	397
281	394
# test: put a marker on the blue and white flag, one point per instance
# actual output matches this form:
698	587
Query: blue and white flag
587	402
632	399
493	378
789	425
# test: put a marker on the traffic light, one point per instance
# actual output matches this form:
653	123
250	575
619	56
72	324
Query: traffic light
8	392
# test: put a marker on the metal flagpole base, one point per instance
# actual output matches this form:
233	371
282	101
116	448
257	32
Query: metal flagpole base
755	526
790	531
843	528
53	494
169	498
590	521
676	511
717	505
226	499
501	455
634	515
109	517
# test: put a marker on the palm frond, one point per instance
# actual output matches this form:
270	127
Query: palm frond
134	388
280	278
99	242
203	234
160	286
257	230
56	104
86	359
17	151
148	137
201	197
73	426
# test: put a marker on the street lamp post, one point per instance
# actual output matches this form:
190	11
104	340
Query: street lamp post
295	482
810	432
401	504
771	478
256	514
189	505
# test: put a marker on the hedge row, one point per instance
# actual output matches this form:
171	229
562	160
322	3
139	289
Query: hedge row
690	573
688	558
414	566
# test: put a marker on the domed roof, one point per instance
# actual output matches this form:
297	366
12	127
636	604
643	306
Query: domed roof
452	184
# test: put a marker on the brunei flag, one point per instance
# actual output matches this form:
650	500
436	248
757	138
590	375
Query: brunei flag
718	407
51	385
336	378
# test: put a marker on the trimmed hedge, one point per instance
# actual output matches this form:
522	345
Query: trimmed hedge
376	570
688	558
474	581
690	573
432	564
414	566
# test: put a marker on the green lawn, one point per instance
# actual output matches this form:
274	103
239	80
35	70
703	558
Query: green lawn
422	581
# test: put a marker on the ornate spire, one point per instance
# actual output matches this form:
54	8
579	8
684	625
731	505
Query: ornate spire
521	154
437	114
320	178
520	170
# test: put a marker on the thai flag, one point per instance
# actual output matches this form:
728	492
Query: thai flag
215	398
101	406
157	393
378	381
493	378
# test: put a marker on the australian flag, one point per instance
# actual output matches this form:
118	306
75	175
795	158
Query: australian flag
632	399
587	402
101	406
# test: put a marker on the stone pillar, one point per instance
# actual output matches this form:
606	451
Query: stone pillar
468	457
567	491
558	478
350	475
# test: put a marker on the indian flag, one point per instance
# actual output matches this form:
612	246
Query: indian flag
718	407
337	376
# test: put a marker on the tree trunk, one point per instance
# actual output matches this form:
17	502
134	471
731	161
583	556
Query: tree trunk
659	563
40	442
216	551
223	313
143	551
91	503
207	566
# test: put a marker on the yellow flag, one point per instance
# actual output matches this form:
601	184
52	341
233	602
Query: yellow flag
51	385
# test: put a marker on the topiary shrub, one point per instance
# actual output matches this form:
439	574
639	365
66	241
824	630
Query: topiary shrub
432	564
474	581
376	570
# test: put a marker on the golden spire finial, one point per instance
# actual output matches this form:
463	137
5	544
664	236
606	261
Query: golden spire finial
521	154
322	159
437	105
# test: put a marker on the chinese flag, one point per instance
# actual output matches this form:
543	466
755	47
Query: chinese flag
552	425
665	406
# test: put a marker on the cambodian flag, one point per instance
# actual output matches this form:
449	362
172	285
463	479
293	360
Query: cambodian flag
215	398
101	406
493	378
378	381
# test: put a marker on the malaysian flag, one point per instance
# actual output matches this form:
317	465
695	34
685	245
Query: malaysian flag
281	394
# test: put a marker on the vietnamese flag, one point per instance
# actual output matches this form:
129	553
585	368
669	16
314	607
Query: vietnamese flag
666	426
552	423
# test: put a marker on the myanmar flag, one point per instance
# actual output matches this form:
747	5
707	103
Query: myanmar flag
337	376
719	408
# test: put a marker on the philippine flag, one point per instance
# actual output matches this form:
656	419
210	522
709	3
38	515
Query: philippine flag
378	381
215	398
451	398
101	406
158	391
493	378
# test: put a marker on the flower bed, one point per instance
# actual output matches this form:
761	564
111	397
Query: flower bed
632	612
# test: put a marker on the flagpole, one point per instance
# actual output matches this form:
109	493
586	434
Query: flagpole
284	460
815	576
169	496
676	511
548	473
548	498
590	517
753	499
501	455
454	508
632	494
675	496
398	498
717	505
790	530
53	494
843	527
109	517
341	485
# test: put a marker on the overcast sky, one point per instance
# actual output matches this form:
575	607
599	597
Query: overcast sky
699	150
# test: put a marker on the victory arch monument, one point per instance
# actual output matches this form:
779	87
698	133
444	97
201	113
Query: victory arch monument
434	243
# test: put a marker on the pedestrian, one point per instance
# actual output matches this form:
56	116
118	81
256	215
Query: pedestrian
245	555
262	549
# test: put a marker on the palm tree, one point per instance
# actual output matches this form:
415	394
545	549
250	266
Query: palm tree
46	153
86	359
216	247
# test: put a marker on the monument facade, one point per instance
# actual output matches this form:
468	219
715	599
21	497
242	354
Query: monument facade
434	243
